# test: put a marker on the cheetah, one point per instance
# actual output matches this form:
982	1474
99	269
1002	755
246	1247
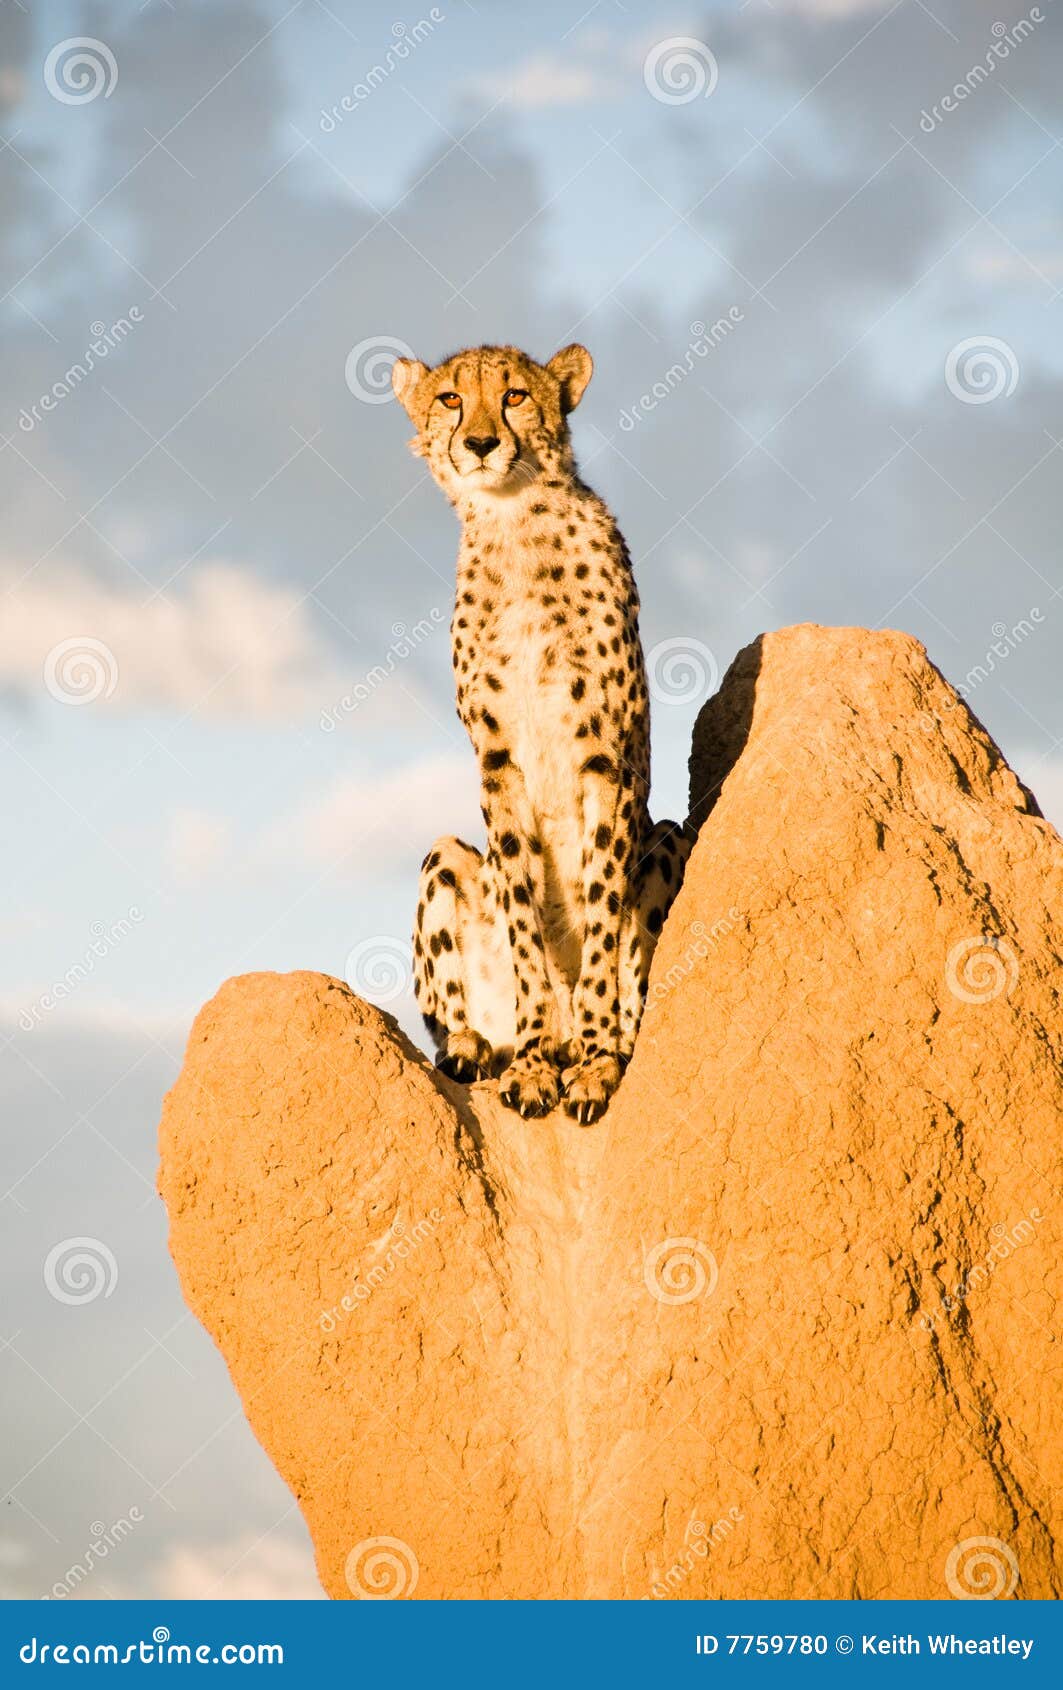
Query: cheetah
531	960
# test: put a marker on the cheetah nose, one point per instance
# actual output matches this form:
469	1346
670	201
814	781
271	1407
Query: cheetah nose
481	444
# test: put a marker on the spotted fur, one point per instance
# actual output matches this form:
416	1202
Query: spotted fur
533	958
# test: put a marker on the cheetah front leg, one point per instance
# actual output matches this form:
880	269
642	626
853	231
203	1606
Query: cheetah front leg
656	878
463	976
531	1084
607	804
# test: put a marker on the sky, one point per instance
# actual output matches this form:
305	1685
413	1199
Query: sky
815	249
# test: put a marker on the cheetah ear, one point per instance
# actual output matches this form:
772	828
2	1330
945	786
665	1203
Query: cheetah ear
406	374
573	367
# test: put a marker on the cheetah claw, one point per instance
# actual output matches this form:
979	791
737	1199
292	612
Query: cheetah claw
586	1112
461	1069
532	1089
589	1087
466	1057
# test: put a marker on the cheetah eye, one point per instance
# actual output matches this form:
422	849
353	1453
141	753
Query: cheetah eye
452	401
515	396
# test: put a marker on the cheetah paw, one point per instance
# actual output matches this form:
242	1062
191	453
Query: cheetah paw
466	1057
589	1087
532	1088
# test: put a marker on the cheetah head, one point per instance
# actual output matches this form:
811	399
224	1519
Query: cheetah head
491	420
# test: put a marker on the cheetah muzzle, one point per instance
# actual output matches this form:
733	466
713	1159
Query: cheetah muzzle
531	958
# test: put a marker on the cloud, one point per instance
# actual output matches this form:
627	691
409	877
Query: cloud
13	1557
547	79
196	844
1001	264
382	820
830	9
243	1569
220	643
104	1016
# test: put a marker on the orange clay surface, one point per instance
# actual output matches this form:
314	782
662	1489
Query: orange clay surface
786	1322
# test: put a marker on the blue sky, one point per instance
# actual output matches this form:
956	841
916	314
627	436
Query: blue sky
234	536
